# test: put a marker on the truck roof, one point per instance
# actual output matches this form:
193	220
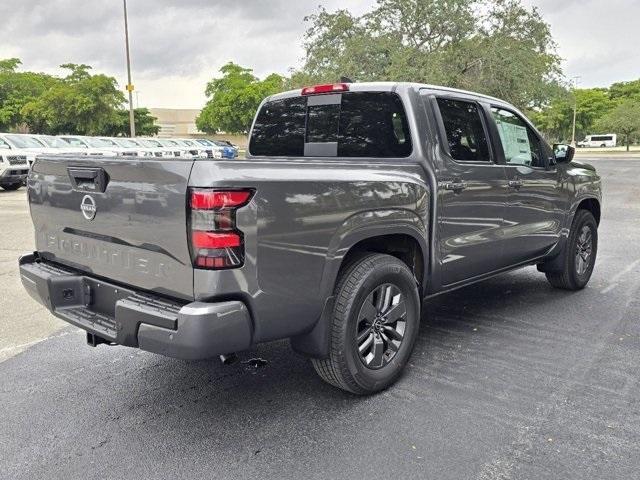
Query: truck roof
391	86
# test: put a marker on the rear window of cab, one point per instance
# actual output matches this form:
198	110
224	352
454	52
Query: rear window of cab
358	124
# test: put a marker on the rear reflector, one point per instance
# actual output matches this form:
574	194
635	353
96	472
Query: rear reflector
212	200
326	88
214	240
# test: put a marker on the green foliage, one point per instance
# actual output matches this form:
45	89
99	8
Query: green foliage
144	122
234	98
495	47
625	91
624	120
80	103
17	89
556	120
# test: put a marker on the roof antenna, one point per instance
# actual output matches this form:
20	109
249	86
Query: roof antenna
345	80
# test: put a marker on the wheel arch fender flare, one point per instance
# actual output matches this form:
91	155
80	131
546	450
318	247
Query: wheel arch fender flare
355	229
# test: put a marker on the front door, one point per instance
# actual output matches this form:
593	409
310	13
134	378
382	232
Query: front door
536	203
471	193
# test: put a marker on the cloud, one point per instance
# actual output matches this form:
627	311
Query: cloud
177	45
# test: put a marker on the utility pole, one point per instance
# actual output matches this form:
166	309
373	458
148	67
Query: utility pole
132	123
575	110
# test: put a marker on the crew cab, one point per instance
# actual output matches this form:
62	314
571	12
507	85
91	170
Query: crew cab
355	203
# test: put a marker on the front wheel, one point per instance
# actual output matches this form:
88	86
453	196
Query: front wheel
374	326
579	256
11	186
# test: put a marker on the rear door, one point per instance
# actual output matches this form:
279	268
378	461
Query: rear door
471	193
119	218
536	200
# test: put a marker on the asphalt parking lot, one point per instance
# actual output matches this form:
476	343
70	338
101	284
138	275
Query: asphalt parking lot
510	379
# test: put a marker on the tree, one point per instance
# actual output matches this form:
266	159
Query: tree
80	103
623	120
556	120
144	122
625	91
495	47
234	98
17	89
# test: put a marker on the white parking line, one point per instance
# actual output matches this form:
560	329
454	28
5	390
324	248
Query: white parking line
619	275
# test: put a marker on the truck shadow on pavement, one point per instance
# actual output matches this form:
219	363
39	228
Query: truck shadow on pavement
124	401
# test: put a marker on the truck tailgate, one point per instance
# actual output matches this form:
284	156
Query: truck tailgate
119	218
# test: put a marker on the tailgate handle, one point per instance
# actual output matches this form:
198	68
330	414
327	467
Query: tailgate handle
88	179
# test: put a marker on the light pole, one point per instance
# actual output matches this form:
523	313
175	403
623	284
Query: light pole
132	123
575	110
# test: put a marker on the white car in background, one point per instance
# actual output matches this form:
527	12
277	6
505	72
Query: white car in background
14	166
602	141
21	146
53	144
93	146
127	147
154	144
195	148
177	149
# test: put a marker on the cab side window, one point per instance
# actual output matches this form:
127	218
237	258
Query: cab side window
520	144
465	132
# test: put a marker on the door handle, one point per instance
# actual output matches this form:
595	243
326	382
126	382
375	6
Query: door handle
515	184
456	186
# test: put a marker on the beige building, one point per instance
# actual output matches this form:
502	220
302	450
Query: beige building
176	122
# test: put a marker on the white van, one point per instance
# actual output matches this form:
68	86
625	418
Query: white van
608	140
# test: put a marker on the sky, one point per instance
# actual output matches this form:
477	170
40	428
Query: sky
178	45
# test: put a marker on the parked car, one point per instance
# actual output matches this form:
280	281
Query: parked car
128	147
14	166
21	145
177	149
56	144
93	146
608	140
228	151
355	203
213	151
157	146
194	149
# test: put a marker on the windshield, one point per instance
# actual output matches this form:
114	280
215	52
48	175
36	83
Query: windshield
20	141
128	143
204	142
76	142
107	142
150	143
99	142
40	141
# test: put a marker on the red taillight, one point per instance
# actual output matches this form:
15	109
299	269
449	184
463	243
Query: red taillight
326	88
216	243
215	240
213	200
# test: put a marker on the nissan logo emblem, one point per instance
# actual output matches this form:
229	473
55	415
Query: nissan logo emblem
88	207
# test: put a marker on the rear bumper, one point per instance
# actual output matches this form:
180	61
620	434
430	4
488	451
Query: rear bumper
128	317
14	175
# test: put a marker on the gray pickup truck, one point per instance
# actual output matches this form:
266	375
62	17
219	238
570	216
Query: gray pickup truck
355	203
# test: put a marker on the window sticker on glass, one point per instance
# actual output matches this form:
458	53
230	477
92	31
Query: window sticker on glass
515	142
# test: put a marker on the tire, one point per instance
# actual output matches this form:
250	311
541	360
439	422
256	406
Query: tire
575	274
12	186
368	349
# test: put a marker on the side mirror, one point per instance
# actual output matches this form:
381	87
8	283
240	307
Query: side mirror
563	153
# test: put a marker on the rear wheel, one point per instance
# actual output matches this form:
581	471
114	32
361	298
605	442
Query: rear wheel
374	326
579	256
12	186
